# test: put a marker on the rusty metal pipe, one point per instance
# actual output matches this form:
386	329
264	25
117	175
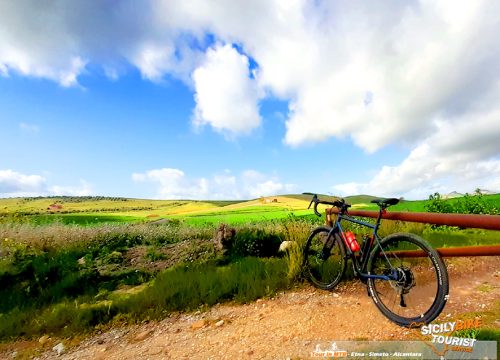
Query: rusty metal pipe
490	222
486	250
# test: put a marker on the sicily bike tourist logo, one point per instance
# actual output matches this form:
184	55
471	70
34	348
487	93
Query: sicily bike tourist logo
458	336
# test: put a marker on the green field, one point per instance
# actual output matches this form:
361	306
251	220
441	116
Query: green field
98	210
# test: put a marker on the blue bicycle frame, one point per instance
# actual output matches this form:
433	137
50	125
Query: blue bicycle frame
360	263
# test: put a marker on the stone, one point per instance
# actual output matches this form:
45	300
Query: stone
285	246
199	324
223	239
219	323
44	339
155	351
59	348
142	335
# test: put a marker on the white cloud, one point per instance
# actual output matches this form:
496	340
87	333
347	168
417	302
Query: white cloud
57	40
15	184
458	156
376	73
174	184
83	189
256	184
12	182
226	97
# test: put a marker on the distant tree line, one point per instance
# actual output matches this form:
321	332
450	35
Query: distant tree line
76	199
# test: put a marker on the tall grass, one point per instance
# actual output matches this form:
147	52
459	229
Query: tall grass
178	289
296	232
58	235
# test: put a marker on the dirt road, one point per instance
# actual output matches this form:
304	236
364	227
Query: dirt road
290	324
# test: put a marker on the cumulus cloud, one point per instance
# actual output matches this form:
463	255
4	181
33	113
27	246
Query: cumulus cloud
83	189
375	73
226	97
12	182
457	155
15	184
58	39
174	184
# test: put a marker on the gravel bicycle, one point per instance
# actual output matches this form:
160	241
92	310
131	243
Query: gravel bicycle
405	276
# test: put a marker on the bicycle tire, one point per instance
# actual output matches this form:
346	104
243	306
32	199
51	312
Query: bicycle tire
425	278
324	265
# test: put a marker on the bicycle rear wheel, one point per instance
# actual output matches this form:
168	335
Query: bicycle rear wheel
324	258
420	291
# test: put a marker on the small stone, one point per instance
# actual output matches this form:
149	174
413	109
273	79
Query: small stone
285	246
250	352
336	295
100	341
59	348
154	351
219	323
44	339
199	324
142	335
81	261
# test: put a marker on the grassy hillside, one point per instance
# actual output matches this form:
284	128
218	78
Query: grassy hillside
95	210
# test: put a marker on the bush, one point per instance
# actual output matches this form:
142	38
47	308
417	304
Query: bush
177	289
255	242
469	204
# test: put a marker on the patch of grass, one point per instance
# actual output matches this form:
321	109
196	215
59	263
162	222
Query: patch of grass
177	289
486	288
188	287
296	232
153	254
82	219
488	334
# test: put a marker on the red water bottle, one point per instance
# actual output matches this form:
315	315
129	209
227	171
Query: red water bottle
351	241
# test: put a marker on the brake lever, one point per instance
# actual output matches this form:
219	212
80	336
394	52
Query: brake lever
313	200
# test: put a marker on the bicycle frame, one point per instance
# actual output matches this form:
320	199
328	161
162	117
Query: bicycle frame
360	263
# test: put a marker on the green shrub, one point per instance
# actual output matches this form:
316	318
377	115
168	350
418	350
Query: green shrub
153	254
468	204
255	242
177	289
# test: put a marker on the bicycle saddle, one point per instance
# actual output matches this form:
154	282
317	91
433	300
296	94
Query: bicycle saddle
385	202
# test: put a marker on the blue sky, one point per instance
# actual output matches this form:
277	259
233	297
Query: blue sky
170	100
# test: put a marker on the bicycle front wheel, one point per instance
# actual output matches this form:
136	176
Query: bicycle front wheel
418	289
324	258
